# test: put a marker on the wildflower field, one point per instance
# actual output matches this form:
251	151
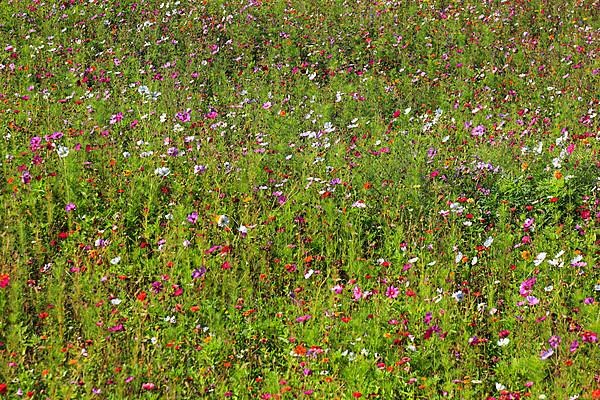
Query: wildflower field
299	199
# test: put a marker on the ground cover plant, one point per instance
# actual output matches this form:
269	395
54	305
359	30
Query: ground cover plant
270	199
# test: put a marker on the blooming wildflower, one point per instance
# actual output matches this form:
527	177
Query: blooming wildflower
589	337
70	207
148	386
184	116
427	318
528	224
337	289
35	143
392	292
193	217
458	296
488	242
357	293
539	259
359	204
199	169
574	346
222	221
527	286
4	280
115	260
532	300
554	341
303	318
116	301
162	171
62	151
116	328
116	118
199	272
503	342
545	354
479	130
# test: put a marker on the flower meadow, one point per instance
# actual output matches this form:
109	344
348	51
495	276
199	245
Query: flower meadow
277	199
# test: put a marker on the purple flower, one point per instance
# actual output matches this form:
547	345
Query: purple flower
479	130
545	354
554	341
588	300
193	217
157	286
532	300
574	346
26	177
199	272
70	207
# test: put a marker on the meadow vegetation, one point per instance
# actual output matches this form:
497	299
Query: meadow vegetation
271	199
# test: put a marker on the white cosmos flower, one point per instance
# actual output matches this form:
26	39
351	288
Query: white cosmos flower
162	171
488	242
223	221
62	151
539	259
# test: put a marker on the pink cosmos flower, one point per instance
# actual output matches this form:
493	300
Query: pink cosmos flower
392	292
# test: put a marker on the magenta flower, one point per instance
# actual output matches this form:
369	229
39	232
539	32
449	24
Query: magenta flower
527	286
116	328
35	143
528	224
589	337
70	207
303	318
184	116
148	386
392	292
554	341
118	117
